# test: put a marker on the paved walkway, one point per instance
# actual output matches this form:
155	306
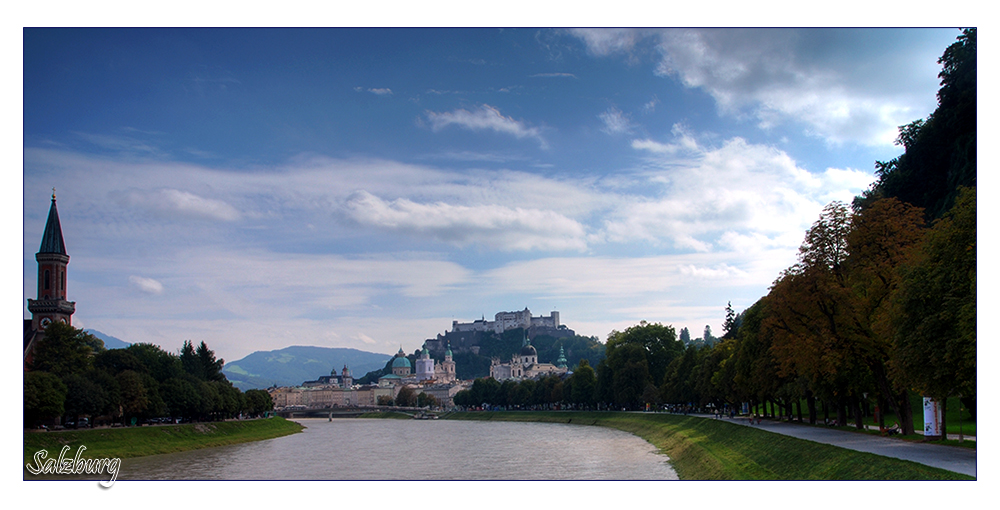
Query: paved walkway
952	458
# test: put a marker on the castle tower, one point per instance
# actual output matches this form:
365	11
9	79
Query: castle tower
51	305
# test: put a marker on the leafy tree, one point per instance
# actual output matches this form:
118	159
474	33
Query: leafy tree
133	396
427	400
44	395
584	385
182	398
882	238
64	350
935	323
83	396
406	397
685	336
160	364
114	361
260	402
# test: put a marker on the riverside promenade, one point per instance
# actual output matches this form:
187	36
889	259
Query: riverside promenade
952	458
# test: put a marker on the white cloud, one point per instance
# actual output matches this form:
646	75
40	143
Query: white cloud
484	117
147	285
843	85
381	91
183	203
735	196
493	226
615	122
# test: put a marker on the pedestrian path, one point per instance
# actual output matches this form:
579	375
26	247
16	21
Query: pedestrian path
959	460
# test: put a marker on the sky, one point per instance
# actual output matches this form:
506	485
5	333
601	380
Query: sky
261	188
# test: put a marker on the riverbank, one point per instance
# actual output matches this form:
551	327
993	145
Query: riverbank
706	449
124	443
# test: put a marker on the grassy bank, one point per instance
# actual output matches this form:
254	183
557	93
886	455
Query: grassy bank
387	415
701	449
141	441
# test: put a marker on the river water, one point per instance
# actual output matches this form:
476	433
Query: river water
371	449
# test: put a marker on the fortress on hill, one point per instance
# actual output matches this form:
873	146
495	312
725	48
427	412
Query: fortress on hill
467	336
509	320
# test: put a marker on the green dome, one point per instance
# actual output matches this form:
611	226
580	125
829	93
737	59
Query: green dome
400	362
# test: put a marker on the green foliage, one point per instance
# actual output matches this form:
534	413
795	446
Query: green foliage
940	151
44	395
406	397
64	350
936	319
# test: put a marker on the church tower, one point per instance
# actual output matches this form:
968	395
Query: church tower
51	305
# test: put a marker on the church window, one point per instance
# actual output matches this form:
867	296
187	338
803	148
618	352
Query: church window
62	280
46	279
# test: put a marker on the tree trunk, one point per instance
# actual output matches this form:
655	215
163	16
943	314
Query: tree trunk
811	405
944	419
841	412
859	420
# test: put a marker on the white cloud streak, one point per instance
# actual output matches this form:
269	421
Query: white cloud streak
495	227
485	117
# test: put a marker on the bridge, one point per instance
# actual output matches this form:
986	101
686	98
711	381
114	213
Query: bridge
342	411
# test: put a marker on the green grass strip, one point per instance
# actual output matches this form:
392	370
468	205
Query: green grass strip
131	442
703	449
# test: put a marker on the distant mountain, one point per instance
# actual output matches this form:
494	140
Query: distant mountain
110	342
293	365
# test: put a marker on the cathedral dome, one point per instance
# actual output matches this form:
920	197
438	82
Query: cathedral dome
401	362
528	350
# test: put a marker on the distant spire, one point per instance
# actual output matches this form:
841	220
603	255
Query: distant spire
52	238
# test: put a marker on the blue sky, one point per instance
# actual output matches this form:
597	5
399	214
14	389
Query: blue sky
364	187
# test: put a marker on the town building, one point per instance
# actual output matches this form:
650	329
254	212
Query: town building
525	365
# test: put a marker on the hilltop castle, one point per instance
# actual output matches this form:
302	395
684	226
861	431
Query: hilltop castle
508	320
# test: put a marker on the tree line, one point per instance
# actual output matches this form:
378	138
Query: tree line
73	375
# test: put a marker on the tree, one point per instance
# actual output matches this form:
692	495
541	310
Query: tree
182	398
935	320
44	395
685	336
730	326
83	396
584	385
211	367
883	237
133	396
940	151
406	397
190	361
427	400
64	350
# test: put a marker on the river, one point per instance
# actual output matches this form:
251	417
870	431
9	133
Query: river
372	449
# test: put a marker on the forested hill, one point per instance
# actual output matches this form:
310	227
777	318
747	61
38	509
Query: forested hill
939	151
293	365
